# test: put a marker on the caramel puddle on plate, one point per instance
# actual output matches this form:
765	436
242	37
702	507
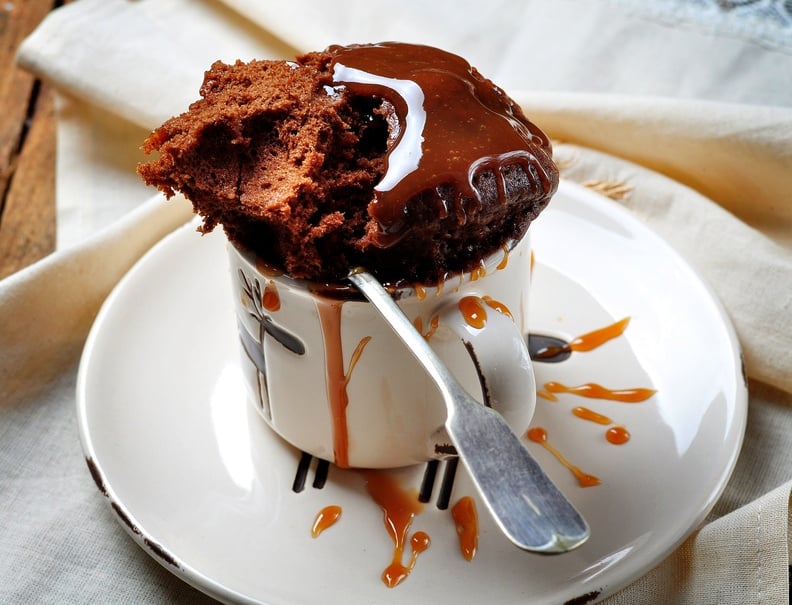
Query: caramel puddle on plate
399	507
617	435
592	390
584	343
587	342
466	522
539	435
325	518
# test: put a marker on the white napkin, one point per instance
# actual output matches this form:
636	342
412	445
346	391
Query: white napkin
708	166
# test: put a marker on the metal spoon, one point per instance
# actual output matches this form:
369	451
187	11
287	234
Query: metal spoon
525	504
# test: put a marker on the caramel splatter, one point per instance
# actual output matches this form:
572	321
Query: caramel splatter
399	507
586	342
595	391
539	435
617	435
498	306
327	517
505	260
472	309
466	521
270	299
591	415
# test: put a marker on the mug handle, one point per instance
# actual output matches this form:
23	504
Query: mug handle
500	354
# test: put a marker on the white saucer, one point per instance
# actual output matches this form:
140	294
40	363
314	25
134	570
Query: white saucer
202	484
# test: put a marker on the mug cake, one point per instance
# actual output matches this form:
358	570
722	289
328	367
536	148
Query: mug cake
398	157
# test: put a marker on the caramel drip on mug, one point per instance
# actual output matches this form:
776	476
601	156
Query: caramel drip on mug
466	521
336	380
505	260
498	306
588	341
270	299
473	311
355	358
539	435
327	517
399	507
434	324
592	390
478	272
420	291
336	377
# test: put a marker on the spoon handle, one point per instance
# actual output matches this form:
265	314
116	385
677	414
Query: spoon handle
525	504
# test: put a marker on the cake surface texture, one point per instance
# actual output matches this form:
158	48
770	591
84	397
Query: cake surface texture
396	157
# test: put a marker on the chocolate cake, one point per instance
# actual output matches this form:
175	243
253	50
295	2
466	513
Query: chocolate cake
399	158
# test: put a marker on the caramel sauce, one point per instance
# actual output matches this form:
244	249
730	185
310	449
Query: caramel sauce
592	340
478	272
505	260
270	299
325	518
473	311
466	521
399	507
436	96
545	395
420	291
434	324
355	358
591	415
335	376
418	325
617	435
595	391
266	268
588	341
498	306
539	435
419	543
330	317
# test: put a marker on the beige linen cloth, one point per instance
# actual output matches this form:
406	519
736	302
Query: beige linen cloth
681	112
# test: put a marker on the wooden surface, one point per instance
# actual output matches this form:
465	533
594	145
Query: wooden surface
27	145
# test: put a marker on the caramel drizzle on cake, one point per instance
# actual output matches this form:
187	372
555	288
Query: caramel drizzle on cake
450	127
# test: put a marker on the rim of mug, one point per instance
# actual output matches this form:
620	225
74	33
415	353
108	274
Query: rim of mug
345	291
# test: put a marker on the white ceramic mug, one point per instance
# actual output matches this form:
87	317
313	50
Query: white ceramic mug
331	377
